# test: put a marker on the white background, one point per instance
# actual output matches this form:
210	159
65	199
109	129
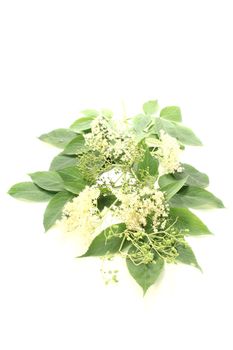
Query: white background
57	58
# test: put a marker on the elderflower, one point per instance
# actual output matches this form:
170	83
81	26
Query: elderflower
81	215
100	136
168	153
116	146
139	204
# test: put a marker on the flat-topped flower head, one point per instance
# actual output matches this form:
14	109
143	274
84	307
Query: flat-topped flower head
138	204
116	145
81	214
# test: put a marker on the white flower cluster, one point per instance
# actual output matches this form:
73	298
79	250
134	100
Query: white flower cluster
112	143
137	204
100	135
168	153
81	215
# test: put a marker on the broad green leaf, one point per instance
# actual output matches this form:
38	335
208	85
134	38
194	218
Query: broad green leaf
58	137
48	180
62	161
186	255
90	113
167	179
145	274
54	209
75	146
148	165
107	242
195	177
73	181
185	219
172	113
151	107
166	125
29	191
172	188
141	122
82	124
182	133
196	198
105	201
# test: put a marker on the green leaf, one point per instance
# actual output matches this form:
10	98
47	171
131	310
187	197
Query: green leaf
73	181
29	191
172	188
195	177
58	137
148	165
185	219
82	124
196	198
145	274
90	113
186	255
172	113
75	146
167	179
54	209
105	201
182	133
62	161
151	107
140	122
48	180
107	242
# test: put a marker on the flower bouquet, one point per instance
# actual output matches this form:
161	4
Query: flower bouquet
120	185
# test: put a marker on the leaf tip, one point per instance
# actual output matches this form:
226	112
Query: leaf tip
144	291
197	266
9	192
46	226
82	256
